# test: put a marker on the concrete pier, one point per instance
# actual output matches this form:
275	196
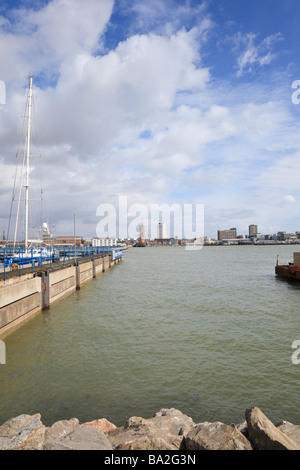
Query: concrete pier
22	297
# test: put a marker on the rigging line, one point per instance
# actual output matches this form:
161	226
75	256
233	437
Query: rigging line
22	167
19	200
21	134
12	200
39	156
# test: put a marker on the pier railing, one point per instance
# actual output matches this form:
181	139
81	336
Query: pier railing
21	260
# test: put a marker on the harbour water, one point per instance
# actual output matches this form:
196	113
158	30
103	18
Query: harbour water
208	332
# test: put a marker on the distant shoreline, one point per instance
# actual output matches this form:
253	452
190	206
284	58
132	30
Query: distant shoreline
158	245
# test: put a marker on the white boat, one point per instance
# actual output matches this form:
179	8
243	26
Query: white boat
31	256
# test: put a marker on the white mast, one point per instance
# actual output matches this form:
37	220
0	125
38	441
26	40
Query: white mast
27	160
25	168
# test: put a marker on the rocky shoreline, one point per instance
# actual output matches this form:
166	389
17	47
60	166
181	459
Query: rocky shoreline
167	430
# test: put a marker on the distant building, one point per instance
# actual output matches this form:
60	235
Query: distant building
253	230
162	231
104	241
68	240
283	236
227	234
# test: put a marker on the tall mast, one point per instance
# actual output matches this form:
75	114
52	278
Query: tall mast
27	160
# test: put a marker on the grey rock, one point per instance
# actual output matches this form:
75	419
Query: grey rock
24	432
59	430
81	438
216	436
290	430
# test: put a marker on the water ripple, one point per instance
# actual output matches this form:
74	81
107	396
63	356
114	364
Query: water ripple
208	332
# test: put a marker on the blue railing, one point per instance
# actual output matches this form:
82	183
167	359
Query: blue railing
52	256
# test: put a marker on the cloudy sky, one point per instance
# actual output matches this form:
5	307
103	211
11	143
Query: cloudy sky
161	102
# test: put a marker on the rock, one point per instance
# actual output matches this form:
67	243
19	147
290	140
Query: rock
101	424
169	429
215	436
152	443
59	430
164	431
264	435
290	430
80	438
24	432
174	419
242	427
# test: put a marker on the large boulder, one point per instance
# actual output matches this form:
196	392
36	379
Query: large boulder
290	430
80	438
59	430
216	436
25	432
164	431
264	435
172	421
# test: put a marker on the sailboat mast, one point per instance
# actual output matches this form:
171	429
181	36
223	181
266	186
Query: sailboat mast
27	160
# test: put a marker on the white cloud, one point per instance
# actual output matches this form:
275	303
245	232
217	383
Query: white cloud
39	41
165	17
101	104
146	118
253	52
289	199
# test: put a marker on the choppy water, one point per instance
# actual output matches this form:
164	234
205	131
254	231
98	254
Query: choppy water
208	332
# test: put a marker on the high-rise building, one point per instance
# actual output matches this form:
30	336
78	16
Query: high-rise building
162	231
227	234
253	230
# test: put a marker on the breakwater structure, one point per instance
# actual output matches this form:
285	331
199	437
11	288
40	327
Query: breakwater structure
289	271
30	284
168	431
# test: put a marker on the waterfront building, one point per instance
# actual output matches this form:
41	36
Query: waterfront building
227	234
104	241
68	240
253	230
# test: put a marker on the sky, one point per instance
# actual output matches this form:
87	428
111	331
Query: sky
165	102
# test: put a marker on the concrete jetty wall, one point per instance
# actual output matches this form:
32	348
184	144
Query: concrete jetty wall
60	283
27	295
19	301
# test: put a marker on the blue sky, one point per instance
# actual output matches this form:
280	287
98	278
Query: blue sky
163	102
